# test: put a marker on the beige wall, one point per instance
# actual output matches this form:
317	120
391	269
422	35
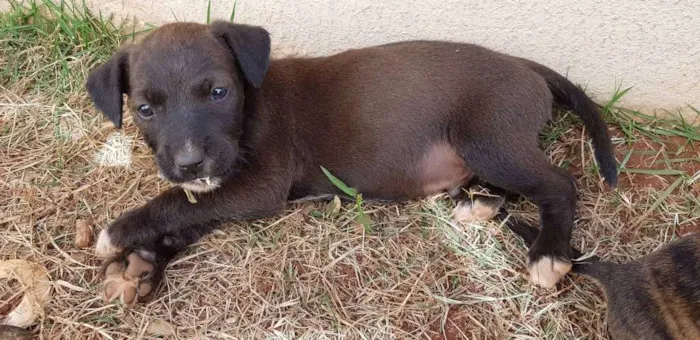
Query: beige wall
653	45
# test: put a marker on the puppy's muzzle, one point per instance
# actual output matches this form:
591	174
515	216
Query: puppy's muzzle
190	160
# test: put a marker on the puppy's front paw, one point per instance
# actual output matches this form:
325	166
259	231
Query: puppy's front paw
547	271
130	229
105	247
128	278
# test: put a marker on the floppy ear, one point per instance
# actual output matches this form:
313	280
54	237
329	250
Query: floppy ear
106	85
249	44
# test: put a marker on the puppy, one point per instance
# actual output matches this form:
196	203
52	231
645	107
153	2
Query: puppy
654	297
399	121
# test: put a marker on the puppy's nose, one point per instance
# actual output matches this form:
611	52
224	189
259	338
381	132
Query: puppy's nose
189	160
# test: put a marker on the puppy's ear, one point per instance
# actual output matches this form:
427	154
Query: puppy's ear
250	46
107	83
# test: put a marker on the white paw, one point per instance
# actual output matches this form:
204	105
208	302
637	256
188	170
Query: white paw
476	211
547	271
104	247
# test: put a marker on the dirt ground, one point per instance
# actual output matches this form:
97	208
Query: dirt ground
304	275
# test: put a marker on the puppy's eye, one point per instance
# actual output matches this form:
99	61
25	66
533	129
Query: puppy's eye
145	111
218	94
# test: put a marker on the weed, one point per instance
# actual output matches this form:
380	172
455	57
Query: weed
362	217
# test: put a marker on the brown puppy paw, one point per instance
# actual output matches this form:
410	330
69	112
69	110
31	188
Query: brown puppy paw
128	278
547	271
481	209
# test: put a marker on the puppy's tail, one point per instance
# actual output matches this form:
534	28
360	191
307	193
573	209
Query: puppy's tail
592	267
571	97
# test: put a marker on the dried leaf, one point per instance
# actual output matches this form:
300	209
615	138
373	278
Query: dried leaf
34	278
333	208
160	328
83	233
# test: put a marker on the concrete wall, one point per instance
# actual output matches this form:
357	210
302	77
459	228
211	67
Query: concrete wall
651	45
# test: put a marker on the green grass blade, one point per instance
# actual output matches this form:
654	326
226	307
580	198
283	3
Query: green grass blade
661	198
616	97
660	172
233	12
339	184
626	159
209	12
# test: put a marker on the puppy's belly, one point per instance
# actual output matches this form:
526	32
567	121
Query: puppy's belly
436	170
396	176
441	169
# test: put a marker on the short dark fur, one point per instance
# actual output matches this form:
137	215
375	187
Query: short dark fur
370	116
654	297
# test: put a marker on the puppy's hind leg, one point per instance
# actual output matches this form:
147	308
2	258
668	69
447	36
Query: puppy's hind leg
521	167
479	208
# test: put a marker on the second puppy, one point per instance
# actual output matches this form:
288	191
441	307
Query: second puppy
654	297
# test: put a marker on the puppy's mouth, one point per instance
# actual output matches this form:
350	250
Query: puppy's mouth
204	184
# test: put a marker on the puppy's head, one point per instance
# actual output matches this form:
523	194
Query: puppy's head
185	85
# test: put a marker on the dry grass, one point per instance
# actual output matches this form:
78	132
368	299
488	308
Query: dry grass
303	276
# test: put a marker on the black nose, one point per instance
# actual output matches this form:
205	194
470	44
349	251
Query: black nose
189	160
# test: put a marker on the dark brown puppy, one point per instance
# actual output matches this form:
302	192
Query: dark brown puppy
654	297
397	121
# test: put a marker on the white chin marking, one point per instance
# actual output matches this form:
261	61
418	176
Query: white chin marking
201	185
547	271
104	247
